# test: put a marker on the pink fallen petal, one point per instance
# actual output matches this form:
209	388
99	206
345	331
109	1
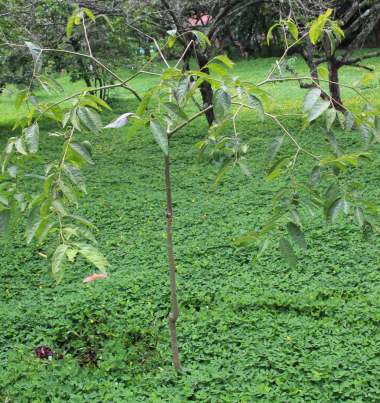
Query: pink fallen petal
94	276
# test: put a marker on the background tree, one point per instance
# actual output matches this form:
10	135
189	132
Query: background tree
341	45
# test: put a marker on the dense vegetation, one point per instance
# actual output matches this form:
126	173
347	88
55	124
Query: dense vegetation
247	333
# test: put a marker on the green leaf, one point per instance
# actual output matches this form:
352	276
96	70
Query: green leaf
365	135
315	31
5	216
107	20
310	98
279	193
136	126
53	84
288	253
91	119
330	117
81	219
221	104
69	192
256	105
367	231
89	13
218	69
78	149
97	100
69	28
183	84
292	29
32	136
333	210
143	105
59	262
58	205
221	173
201	152
272	149
76	175
316	176
202	39
19	144
86	233
225	60
296	216
317	109
35	50
176	111
246	239
296	234
160	135
74	119
341	119
349	120
32	230
358	211
19	98
270	31
46	231
242	161
93	255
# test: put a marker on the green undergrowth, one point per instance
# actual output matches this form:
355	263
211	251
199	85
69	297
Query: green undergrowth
247	333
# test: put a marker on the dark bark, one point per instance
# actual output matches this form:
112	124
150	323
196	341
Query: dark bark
206	91
334	86
376	31
173	316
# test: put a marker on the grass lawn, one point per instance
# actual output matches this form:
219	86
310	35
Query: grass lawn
261	333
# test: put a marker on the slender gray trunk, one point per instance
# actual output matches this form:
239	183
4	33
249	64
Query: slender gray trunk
173	316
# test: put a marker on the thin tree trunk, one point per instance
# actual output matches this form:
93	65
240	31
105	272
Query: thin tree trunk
173	316
334	86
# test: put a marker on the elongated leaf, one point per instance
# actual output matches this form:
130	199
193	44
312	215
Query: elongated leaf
120	121
143	105
5	216
19	143
367	231
183	84
279	193
89	13
341	119
225	60
32	136
176	111
76	175
244	166
333	210
272	149
59	262
35	50
315	31
68	191
136	126
330	117
293	29
221	104
19	98
78	148
69	28
32	231
246	239
93	255
349	120
287	253
86	233
81	219
160	135
365	135
358	211
202	39
310	98
316	176
317	109
46	230
58	205
90	119
296	216
297	235
270	31
256	105
97	100
218	69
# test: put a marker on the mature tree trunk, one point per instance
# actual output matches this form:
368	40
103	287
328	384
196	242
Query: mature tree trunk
173	316
334	86
376	31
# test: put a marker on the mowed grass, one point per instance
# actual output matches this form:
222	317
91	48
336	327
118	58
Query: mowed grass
246	333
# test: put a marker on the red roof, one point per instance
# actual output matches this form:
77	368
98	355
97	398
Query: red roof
203	20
